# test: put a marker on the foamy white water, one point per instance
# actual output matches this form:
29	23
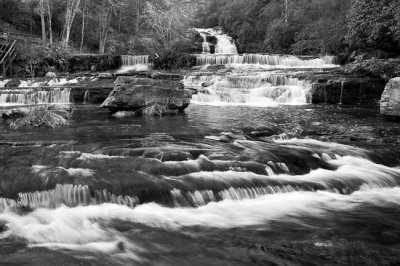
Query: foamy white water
260	90
78	227
266	61
225	44
134	63
21	97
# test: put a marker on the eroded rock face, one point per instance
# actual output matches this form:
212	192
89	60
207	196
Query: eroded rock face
390	101
349	91
134	94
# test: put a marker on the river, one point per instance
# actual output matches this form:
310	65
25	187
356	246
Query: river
250	173
210	186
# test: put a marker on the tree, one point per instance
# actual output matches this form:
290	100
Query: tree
72	8
84	10
49	13
42	20
107	9
373	25
168	25
137	24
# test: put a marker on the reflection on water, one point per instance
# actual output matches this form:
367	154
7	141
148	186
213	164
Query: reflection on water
214	185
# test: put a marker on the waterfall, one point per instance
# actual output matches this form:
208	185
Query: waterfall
268	60
201	198
134	60
18	97
134	63
224	45
252	90
68	195
341	92
205	44
86	97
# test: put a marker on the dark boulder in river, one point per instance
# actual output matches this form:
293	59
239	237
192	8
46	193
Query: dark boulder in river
138	94
390	101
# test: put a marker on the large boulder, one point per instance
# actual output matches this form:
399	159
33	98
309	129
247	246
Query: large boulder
138	94
390	101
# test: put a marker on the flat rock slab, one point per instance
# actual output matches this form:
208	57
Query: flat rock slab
390	101
134	94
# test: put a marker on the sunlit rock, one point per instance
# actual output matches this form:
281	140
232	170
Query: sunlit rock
390	101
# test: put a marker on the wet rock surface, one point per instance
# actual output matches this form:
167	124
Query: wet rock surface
347	90
390	101
138	93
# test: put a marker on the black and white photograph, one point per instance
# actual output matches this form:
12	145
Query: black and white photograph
199	132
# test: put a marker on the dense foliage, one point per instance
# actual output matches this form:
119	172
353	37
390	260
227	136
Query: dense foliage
374	25
307	26
161	27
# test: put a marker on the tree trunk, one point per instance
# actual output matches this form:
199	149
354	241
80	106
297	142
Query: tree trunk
83	24
105	13
119	21
72	8
286	13
49	12
137	16
42	20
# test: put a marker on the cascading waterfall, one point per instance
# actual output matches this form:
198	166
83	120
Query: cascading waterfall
253	90
21	97
134	60
205	44
239	88
267	60
68	195
134	63
225	44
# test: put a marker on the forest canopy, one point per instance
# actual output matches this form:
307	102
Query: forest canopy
308	26
155	26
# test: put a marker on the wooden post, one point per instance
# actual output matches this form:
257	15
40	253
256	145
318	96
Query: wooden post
4	69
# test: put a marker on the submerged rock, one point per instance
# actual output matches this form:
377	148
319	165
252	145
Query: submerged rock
138	94
390	101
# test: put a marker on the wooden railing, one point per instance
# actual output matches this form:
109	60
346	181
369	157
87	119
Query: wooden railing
7	55
8	42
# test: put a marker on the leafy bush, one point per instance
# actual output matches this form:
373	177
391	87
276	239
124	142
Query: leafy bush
37	59
173	60
40	117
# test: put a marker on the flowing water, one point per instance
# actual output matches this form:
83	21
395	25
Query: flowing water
134	63
250	173
224	45
230	185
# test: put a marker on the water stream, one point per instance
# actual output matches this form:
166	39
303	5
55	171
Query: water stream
168	190
250	173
